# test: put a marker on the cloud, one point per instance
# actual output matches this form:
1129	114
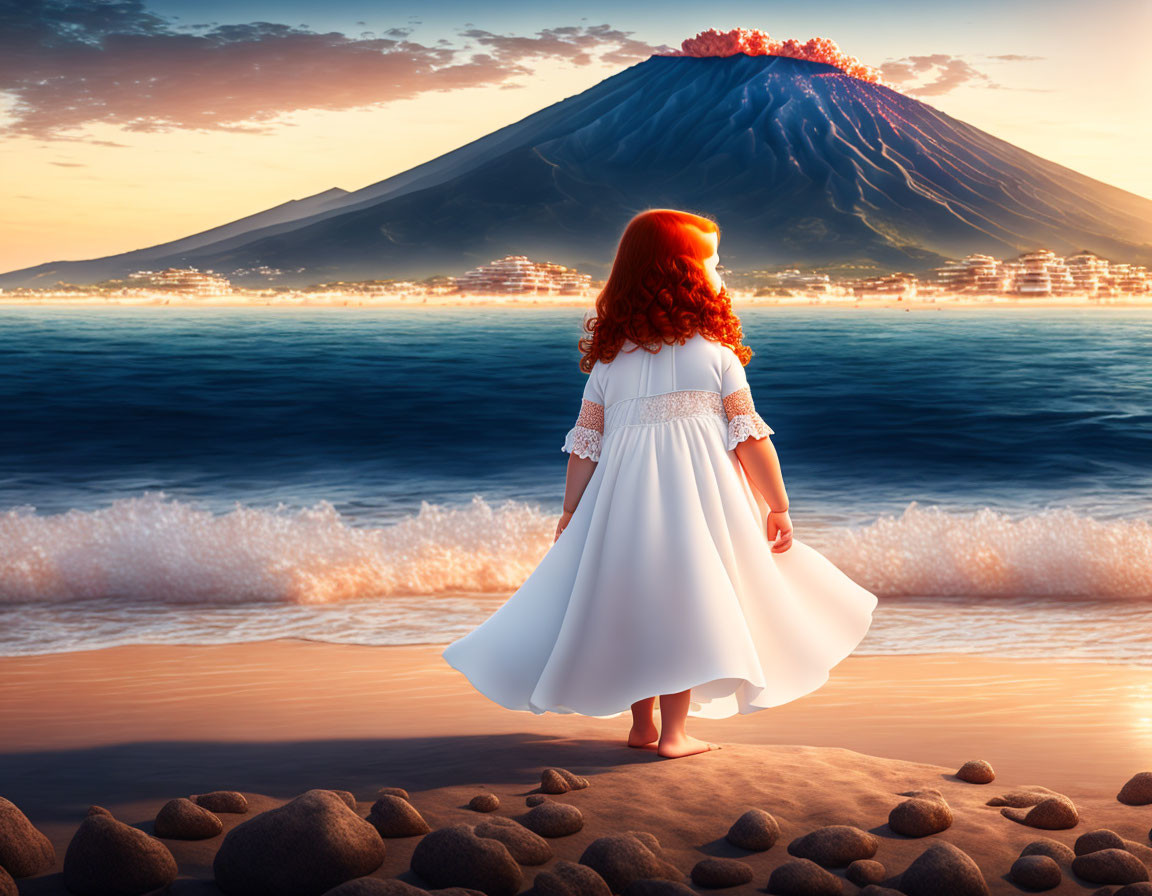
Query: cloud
65	64
945	72
1015	57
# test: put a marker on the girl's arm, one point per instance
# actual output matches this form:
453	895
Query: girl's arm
580	470
759	459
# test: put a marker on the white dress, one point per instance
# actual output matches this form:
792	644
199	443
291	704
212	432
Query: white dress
664	578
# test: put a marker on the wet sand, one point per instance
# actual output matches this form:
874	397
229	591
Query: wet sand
129	728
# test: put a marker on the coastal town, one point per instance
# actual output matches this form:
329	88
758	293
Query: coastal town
1040	276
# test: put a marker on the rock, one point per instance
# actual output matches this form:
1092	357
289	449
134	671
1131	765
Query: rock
943	869
648	840
623	858
835	845
552	819
1053	813
1140	888
570	879
877	890
7	884
455	857
1101	838
98	810
551	781
393	791
715	873
1109	866
227	801
394	816
182	819
1137	791
24	850
755	830
526	847
920	817
1054	849
803	877
305	847
484	802
536	799
348	797
865	871
1036	872
109	858
1025	796
649	887
976	771
560	780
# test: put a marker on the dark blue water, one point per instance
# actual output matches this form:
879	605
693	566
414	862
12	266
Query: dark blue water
390	476
376	410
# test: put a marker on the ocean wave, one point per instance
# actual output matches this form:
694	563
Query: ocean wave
160	550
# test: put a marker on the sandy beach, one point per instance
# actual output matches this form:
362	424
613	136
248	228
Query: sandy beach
129	728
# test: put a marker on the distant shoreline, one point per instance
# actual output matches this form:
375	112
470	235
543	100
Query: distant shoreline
518	302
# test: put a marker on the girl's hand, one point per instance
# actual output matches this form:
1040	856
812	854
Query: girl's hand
780	524
564	518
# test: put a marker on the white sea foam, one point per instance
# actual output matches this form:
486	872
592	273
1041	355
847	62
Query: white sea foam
158	550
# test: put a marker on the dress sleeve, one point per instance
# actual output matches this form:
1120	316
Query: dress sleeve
743	421
583	439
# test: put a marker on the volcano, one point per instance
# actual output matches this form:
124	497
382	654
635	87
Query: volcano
798	162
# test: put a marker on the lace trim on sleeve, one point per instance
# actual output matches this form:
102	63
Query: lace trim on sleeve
584	438
743	421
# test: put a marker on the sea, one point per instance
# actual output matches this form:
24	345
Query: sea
391	475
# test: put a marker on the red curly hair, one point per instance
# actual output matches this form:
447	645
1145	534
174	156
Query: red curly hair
659	292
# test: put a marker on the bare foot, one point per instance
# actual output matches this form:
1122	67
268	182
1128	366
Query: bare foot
643	735
685	745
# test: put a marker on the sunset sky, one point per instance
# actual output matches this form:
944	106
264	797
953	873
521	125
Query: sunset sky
124	124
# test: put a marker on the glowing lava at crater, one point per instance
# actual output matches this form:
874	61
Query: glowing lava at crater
755	42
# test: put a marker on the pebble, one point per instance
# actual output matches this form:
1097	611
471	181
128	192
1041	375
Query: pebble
1097	840
98	810
393	791
976	771
226	801
835	845
1140	888
307	846
755	831
1036	872
570	879
182	819
454	856
1053	813
877	890
24	850
394	816
109	858
623	858
943	869
920	817
865	871
552	819
484	802
526	847
560	780
536	799
1026	796
376	886
803	877
7	884
1137	791
1109	866
715	873
1054	849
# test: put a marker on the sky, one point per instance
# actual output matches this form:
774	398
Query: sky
127	123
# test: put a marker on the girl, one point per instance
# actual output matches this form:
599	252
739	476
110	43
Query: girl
673	571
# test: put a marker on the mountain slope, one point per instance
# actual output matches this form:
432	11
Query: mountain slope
799	163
